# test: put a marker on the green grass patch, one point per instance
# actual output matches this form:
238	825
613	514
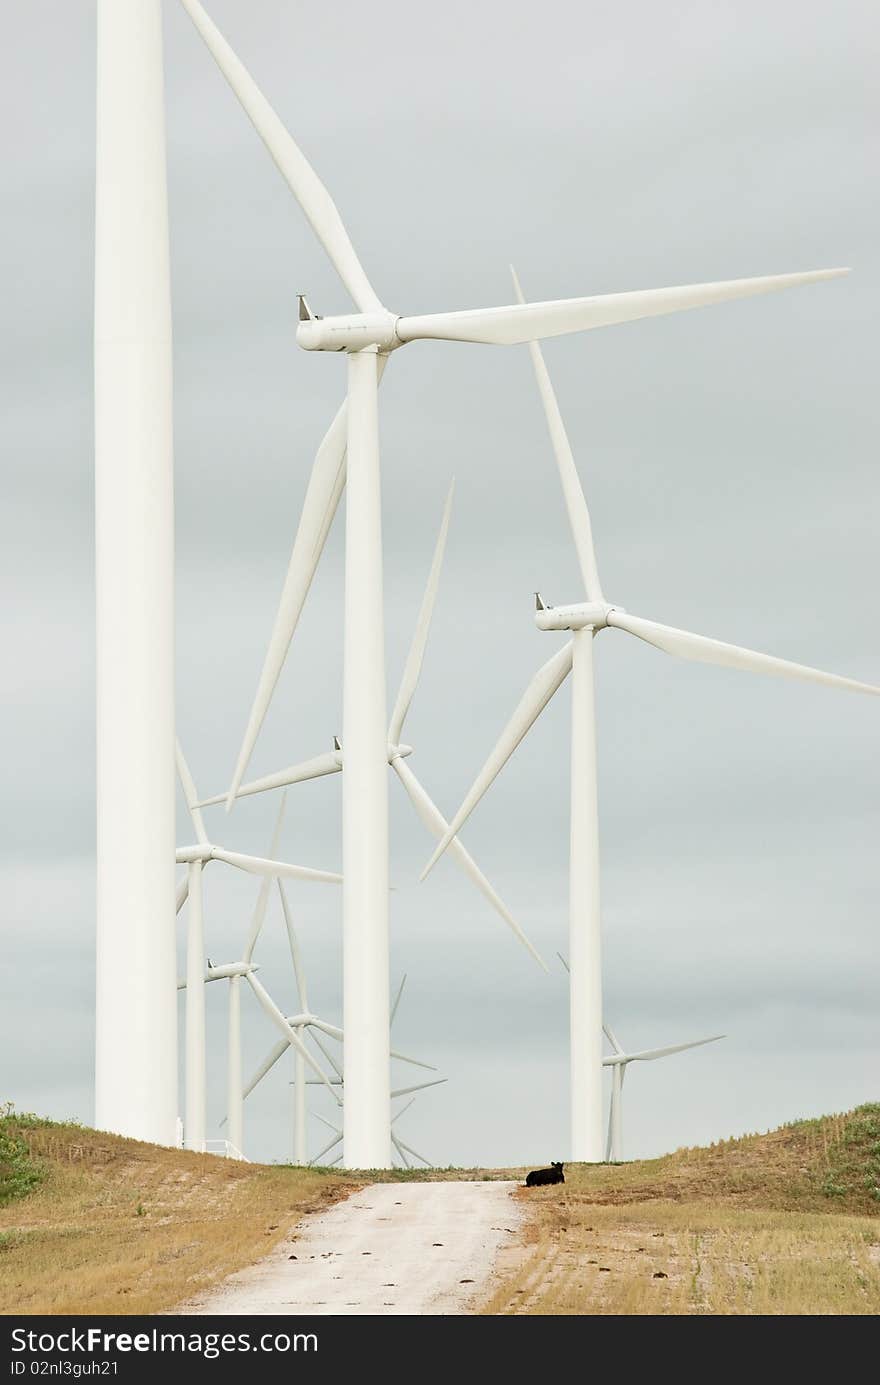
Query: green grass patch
20	1172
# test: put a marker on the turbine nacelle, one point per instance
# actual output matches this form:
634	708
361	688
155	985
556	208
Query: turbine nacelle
349	332
398	752
226	972
576	617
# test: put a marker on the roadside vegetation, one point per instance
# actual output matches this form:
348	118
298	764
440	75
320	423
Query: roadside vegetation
786	1222
92	1223
782	1223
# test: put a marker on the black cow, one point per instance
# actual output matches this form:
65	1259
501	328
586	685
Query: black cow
539	1177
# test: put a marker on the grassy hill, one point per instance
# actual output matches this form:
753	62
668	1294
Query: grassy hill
785	1222
782	1223
91	1222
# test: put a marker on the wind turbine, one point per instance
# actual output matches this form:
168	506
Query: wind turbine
196	858
135	998
585	620
400	1145
618	1061
231	972
307	1023
397	753
349	455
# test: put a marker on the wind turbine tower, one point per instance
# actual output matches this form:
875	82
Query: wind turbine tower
136	1010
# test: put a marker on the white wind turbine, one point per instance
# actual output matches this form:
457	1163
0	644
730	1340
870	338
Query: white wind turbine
402	1148
397	753
135	999
196	858
308	1024
618	1061
231	972
585	620
349	454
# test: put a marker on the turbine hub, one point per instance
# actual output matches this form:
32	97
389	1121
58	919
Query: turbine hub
399	752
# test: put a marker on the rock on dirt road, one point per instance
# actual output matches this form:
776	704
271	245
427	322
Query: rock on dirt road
390	1248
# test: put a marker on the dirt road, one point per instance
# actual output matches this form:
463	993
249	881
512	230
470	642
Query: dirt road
390	1248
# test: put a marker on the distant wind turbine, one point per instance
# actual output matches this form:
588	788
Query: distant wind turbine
618	1061
585	620
196	858
308	1024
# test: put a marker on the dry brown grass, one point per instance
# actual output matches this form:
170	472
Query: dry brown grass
784	1223
121	1227
779	1223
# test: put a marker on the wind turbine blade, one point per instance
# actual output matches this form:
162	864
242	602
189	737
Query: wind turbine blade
530	706
409	1149
648	1055
325	487
564	962
572	491
397	999
323	493
399	1148
332	1029
702	650
182	892
416	1063
316	202
265	885
266	1066
419	1087
295	954
336	1033
328	1055
275	1015
610	1036
329	1124
437	825
414	658
326	1150
258	865
522	322
329	763
190	793
403	1110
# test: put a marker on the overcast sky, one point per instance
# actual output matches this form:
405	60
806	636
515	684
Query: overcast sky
729	458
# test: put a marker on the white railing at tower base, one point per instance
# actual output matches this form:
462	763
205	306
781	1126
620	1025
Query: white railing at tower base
225	1149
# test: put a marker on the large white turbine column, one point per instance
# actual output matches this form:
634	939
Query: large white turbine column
367	1114
614	1149
136	1016
585	934
231	972
194	1125
300	1132
195	1063
234	1092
